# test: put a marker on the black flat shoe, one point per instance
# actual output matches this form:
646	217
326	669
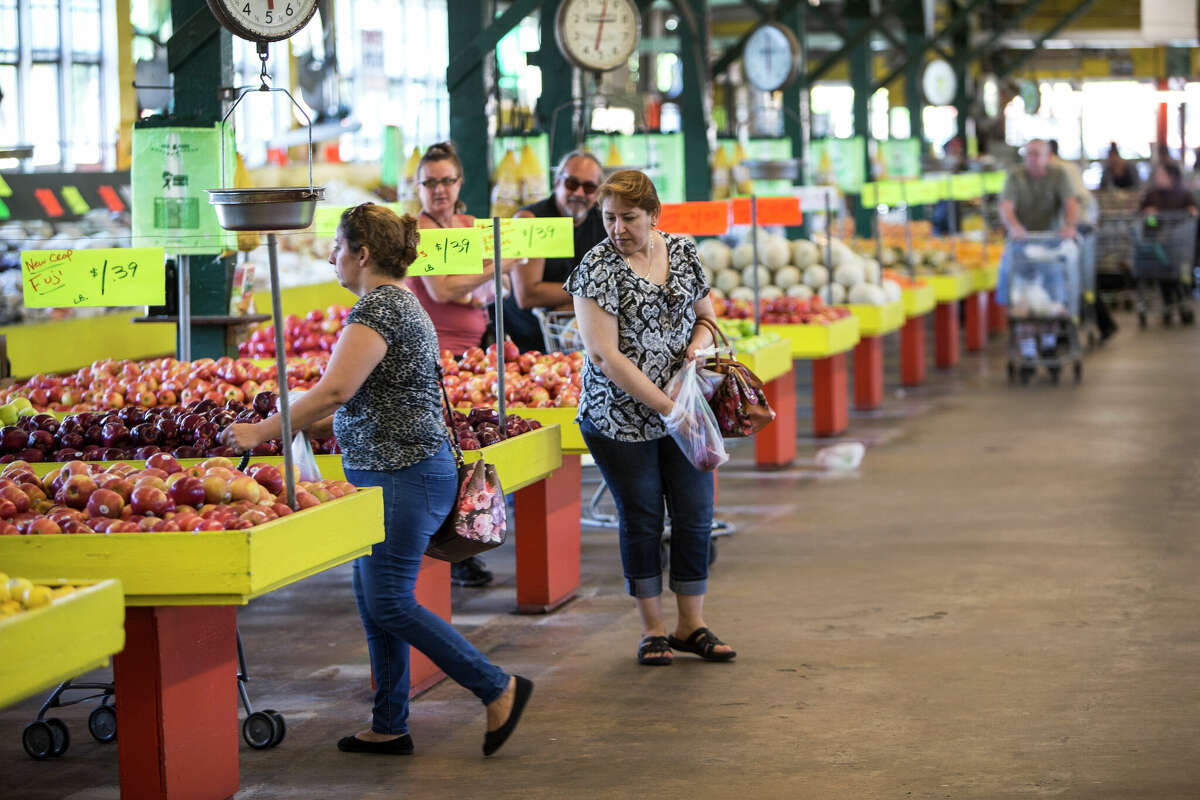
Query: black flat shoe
400	746
492	740
703	643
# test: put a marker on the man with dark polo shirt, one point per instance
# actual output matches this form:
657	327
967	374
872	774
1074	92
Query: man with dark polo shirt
538	282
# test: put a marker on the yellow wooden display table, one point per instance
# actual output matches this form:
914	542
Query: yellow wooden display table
212	567
878	320
950	288
564	418
769	361
984	279
299	300
69	637
67	345
919	300
818	341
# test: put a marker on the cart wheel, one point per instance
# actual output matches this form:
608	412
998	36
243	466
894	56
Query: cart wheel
1078	371
1012	372
259	730
280	725
102	723
1168	319
1141	319
1187	316
62	736
1026	373
712	552
38	740
1054	374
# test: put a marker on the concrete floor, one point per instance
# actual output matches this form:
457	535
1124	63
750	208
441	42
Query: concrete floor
1000	603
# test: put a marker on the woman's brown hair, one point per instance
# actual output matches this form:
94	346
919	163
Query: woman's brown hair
391	239
633	187
443	151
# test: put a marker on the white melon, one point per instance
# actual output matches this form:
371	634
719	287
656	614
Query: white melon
728	280
835	295
800	290
816	276
770	293
743	255
849	272
805	253
872	270
841	253
892	291
764	276
776	254
715	254
866	294
742	293
786	277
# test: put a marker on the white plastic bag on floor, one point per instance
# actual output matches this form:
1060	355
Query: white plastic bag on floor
692	423
842	457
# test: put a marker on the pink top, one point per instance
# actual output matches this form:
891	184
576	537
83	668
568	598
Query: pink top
459	326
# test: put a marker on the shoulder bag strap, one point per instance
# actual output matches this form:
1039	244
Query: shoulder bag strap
449	418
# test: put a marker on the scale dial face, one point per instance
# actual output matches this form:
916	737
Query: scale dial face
263	20
939	83
598	35
771	57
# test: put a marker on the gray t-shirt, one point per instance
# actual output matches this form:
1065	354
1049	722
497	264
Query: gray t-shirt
395	419
1039	202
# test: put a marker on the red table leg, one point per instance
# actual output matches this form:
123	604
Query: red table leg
868	373
831	408
945	331
977	322
775	445
913	364
176	696
997	316
547	525
433	592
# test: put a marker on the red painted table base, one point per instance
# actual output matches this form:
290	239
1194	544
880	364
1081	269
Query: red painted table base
868	373
176	696
775	445
433	593
945	334
913	363
997	315
976	321
831	408
547	529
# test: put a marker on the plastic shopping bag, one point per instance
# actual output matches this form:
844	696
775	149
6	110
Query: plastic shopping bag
303	460
692	423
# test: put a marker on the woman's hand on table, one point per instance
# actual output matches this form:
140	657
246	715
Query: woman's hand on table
241	436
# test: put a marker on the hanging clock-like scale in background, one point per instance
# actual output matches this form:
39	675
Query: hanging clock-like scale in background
263	21
597	35
771	57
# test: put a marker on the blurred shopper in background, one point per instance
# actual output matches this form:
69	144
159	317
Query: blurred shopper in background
1118	173
1088	210
1167	193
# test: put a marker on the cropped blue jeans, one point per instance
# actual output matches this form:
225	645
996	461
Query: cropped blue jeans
416	501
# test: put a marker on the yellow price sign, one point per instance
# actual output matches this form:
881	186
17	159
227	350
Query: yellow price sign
326	218
449	251
532	237
111	277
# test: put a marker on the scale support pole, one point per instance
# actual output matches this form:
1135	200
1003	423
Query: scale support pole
754	248
499	277
184	276
285	409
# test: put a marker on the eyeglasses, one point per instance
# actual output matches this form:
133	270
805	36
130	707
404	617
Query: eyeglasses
572	183
433	183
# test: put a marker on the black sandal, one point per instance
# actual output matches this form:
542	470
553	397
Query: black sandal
654	644
702	642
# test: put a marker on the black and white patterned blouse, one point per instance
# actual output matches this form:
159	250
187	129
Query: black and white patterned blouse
654	327
394	420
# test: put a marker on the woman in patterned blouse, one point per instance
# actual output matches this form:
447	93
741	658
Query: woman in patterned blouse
382	388
637	296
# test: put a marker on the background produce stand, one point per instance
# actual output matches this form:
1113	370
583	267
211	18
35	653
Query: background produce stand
976	308
948	290
69	344
874	322
775	445
918	301
72	635
175	690
826	347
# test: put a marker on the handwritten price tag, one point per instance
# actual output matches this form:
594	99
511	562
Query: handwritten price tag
531	237
449	251
697	218
771	210
114	277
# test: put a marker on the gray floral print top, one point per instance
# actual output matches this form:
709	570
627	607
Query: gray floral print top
654	326
394	420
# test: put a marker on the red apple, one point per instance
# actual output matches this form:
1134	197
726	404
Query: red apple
105	503
216	489
150	500
43	526
188	490
244	488
18	498
76	491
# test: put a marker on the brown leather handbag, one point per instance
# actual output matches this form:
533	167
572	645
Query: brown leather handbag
739	402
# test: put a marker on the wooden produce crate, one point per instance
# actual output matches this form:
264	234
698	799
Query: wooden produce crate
950	288
878	320
919	300
71	636
769	361
818	341
210	567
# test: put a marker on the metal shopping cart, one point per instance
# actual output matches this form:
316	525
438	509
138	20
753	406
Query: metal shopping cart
1113	245
1044	295
1164	254
1088	325
49	737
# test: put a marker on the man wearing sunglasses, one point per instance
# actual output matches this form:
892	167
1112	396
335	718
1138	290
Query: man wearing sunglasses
538	283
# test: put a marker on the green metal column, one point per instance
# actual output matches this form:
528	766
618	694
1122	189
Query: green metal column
468	98
858	14
694	99
796	119
557	74
200	55
961	39
914	95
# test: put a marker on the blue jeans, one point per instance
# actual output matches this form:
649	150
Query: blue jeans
640	475
416	501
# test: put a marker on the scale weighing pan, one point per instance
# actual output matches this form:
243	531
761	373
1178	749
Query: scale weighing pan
266	210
